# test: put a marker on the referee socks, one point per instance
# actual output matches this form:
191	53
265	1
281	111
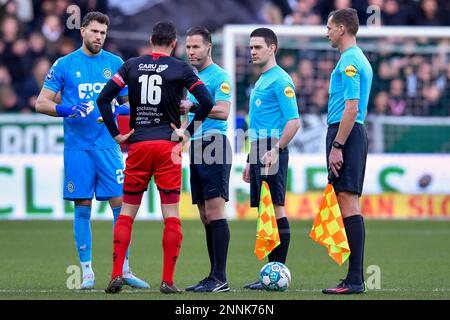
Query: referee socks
355	230
209	245
279	254
221	239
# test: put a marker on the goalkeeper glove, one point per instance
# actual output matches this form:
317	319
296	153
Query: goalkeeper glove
81	109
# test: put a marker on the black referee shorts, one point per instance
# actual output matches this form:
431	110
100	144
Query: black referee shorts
276	179
210	168
351	174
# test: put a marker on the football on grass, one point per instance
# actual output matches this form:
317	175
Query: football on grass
275	276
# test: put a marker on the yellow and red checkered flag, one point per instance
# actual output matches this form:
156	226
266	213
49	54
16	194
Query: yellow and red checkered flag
328	228
267	236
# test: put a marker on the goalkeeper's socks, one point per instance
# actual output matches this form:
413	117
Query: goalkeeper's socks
221	239
122	236
209	245
82	232
355	230
279	254
171	243
116	213
87	268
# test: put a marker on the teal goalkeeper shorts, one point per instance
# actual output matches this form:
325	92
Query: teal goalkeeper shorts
89	173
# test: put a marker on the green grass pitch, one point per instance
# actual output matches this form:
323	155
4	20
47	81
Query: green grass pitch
413	257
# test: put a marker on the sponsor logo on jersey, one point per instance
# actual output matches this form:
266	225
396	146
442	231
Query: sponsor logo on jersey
289	92
350	71
50	74
147	66
107	73
87	90
161	68
225	87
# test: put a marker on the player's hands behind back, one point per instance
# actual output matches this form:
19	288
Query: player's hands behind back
185	106
181	133
123	138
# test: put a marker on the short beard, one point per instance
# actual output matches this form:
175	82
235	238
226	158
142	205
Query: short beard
198	64
91	48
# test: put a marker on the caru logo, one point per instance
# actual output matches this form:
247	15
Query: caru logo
87	90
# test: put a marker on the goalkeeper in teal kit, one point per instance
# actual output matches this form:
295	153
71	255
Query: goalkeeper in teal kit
93	164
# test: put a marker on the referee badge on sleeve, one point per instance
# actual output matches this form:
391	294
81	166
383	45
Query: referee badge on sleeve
289	92
350	71
225	87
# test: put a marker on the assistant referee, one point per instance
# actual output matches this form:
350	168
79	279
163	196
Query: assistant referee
346	141
274	121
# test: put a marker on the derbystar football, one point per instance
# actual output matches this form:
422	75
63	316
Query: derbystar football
275	276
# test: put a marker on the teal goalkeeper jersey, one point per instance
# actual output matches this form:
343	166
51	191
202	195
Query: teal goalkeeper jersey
272	104
81	78
350	79
218	84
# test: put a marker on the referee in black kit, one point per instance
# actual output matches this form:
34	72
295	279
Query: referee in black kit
346	141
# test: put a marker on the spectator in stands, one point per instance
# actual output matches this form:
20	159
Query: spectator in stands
424	75
10	29
304	13
5	77
288	62
430	15
272	14
306	86
397	100
384	76
433	105
17	61
9	101
381	103
36	44
32	86
319	101
65	46
52	28
392	15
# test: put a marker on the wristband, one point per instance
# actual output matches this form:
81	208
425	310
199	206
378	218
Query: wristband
62	111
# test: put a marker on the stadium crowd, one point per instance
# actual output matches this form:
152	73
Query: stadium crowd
34	35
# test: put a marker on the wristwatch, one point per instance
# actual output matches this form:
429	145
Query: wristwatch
195	107
337	145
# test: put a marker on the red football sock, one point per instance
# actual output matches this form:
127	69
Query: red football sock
122	236
171	243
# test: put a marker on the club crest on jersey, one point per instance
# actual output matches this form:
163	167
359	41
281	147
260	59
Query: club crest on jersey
161	68
107	73
258	102
350	71
289	92
70	187
225	87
